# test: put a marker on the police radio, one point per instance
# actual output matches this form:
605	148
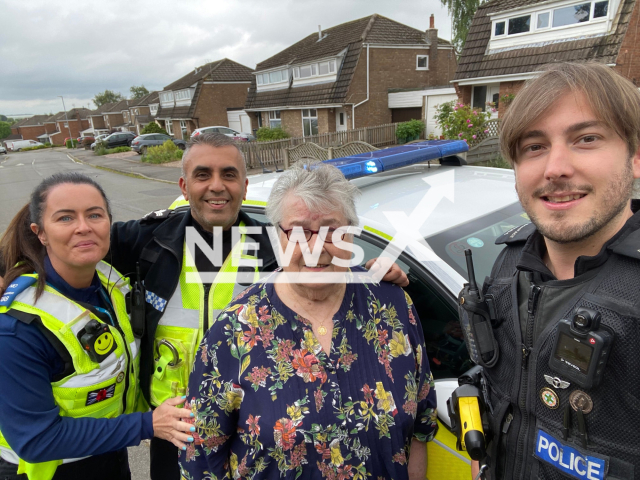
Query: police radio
582	348
477	314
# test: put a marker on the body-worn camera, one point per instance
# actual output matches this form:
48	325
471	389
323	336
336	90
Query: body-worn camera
97	340
582	348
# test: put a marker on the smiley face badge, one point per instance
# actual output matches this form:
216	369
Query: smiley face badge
97	340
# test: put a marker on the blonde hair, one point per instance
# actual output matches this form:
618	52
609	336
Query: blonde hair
613	99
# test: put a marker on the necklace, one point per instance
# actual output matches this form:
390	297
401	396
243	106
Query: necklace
322	330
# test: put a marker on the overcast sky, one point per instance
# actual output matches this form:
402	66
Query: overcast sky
77	49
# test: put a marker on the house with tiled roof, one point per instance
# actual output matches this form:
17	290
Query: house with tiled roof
203	97
340	78
69	124
510	40
97	119
140	111
34	128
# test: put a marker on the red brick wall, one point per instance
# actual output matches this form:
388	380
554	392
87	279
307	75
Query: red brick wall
291	122
98	122
31	132
505	89
628	61
214	100
324	120
50	127
394	68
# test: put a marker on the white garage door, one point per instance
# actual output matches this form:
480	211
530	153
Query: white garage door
431	101
239	121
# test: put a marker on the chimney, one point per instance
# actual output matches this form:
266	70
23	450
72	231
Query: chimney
319	32
432	37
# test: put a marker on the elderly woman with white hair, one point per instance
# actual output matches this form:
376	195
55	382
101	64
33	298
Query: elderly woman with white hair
312	379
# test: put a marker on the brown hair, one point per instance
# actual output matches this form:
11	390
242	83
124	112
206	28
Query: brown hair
20	249
611	97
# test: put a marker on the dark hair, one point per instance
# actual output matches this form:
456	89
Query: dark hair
20	249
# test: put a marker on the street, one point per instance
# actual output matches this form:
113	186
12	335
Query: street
130	198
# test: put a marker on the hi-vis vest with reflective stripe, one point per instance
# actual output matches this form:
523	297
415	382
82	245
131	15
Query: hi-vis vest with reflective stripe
181	327
99	390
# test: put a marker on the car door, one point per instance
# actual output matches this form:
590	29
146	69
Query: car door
445	347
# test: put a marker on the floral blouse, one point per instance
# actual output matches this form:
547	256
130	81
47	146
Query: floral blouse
270	403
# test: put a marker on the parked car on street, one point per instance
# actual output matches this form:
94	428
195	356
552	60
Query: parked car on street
120	139
471	207
18	145
2	149
142	142
229	132
98	139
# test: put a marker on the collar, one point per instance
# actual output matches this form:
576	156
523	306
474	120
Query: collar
624	242
88	295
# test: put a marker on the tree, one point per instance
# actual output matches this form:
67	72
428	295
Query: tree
138	92
5	130
3	118
462	11
153	127
107	96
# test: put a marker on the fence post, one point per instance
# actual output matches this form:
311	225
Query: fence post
365	134
286	158
329	153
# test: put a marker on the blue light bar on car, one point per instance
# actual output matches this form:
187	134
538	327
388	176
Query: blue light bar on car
369	163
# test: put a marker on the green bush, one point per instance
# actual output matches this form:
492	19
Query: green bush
101	150
165	153
411	130
37	147
266	134
153	127
72	145
461	122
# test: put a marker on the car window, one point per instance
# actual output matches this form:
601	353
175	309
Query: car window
478	235
445	345
211	130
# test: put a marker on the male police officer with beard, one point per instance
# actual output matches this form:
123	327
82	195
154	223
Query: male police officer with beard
180	310
564	394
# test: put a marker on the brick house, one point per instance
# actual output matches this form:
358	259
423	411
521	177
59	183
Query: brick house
114	118
140	111
78	120
203	97
339	78
97	118
30	128
509	40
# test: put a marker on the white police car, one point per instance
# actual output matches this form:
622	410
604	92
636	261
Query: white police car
452	208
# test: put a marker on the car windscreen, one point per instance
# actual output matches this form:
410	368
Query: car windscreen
479	235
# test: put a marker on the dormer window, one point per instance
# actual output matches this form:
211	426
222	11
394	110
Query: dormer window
277	76
315	69
557	18
519	25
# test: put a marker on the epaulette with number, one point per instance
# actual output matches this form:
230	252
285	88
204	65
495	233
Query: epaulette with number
157	215
516	234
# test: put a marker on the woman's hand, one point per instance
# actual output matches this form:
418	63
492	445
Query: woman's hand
394	273
167	424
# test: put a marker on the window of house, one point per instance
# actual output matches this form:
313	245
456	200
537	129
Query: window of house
309	122
305	71
479	96
274	119
153	109
341	119
499	29
183	94
571	15
259	115
315	69
600	9
166	97
323	68
278	76
543	20
169	127
422	62
519	24
183	128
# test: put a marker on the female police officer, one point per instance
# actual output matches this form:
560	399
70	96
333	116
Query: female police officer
68	356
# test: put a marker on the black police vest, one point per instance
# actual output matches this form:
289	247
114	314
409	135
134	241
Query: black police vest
515	383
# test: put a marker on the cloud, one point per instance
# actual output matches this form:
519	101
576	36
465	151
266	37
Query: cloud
75	49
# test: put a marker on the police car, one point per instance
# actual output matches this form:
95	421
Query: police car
451	207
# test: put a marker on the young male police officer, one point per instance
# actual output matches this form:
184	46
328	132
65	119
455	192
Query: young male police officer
178	310
572	135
